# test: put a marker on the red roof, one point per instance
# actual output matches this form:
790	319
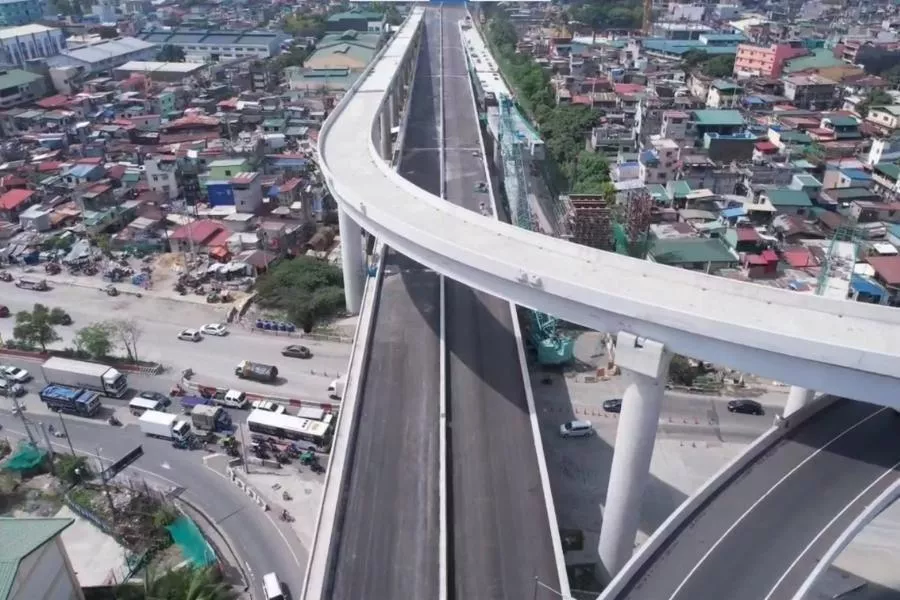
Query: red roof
289	185
582	99
886	267
798	258
628	88
198	232
747	234
116	171
89	160
13	199
57	101
765	146
49	165
220	239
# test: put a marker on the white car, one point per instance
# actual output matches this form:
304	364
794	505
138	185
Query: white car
576	429
16	374
214	329
268	405
190	335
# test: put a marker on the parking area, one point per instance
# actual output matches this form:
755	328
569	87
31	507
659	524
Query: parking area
213	359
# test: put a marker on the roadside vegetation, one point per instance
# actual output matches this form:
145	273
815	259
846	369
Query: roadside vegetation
307	290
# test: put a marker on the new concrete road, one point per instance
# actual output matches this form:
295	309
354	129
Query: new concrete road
263	543
498	518
388	544
213	359
761	535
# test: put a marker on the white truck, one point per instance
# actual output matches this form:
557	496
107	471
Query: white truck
336	389
86	375
164	425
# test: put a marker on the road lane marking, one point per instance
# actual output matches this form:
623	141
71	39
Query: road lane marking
827	527
760	500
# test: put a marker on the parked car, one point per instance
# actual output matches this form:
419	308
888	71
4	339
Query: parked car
613	406
15	374
214	329
576	429
156	397
747	407
190	335
296	351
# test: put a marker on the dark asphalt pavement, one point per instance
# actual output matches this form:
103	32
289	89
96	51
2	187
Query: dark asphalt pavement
500	533
257	539
761	536
388	546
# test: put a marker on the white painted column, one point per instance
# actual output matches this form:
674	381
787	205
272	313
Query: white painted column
798	397
647	363
387	148
352	261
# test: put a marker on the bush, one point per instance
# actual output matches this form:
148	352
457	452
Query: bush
164	516
73	469
307	289
59	317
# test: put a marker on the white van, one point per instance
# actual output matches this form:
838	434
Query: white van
272	587
336	389
139	406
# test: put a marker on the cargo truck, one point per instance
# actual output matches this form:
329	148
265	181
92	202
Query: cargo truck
165	426
86	375
336	389
256	371
189	403
210	418
69	399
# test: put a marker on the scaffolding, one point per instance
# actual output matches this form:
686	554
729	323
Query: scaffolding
589	221
631	232
837	268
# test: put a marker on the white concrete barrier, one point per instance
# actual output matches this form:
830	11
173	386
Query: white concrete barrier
690	506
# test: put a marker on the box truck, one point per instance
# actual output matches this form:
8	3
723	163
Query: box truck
256	371
336	389
163	425
87	375
210	418
70	399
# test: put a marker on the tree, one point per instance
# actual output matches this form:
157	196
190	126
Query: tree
171	53
128	332
300	25
72	468
875	98
35	328
681	371
187	584
96	339
306	288
719	66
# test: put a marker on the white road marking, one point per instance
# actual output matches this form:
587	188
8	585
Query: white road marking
827	527
759	501
165	465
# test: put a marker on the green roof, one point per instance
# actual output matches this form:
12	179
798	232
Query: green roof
368	16
680	188
849	193
227	162
680	251
842	121
889	169
658	192
808	180
714	117
787	197
16	77
821	58
795	137
721	84
19	538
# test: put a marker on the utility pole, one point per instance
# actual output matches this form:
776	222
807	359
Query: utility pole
66	432
49	446
21	414
109	500
244	450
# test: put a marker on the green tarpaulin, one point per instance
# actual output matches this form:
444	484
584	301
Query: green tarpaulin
193	545
25	459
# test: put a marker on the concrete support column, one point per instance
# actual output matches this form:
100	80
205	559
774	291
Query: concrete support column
647	363
394	104
387	149
798	397
352	261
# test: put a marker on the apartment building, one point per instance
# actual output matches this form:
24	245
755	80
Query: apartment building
764	61
29	42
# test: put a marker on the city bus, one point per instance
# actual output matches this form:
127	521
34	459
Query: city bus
282	425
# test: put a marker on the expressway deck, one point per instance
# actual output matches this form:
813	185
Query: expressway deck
388	546
500	537
760	537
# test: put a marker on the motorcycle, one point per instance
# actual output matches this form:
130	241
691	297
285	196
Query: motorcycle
285	496
317	468
114	421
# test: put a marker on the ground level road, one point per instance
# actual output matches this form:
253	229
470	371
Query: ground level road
261	541
761	536
213	359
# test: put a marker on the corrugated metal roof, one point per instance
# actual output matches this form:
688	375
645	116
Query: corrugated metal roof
20	537
16	77
108	50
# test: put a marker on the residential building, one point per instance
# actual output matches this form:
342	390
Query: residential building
885	118
610	139
887	180
887	273
20	87
883	151
357	20
724	94
320	81
674	125
719	121
29	42
787	201
204	235
348	50
160	172
658	163
105	56
19	12
765	61
202	45
173	72
247	190
707	255
15	202
810	91
34	564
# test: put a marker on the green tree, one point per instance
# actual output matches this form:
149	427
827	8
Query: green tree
681	371
171	53
875	98
301	25
96	339
719	66
306	288
35	327
187	584
127	332
72	469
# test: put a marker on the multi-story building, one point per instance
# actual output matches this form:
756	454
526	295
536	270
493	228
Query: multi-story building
724	94
658	163
674	125
810	91
19	12
35	562
161	175
765	61
211	45
29	42
20	87
105	56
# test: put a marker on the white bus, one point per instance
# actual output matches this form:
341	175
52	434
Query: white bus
287	426
139	406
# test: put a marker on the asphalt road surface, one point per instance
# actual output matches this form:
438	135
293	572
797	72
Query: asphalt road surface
213	359
761	536
263	543
500	532
388	545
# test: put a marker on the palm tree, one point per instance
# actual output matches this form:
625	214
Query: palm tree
180	584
